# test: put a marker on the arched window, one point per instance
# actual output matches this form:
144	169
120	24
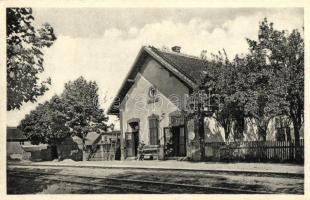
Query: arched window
153	127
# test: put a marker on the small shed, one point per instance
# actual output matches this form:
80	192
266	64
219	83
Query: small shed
103	146
15	140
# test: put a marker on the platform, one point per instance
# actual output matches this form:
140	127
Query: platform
180	165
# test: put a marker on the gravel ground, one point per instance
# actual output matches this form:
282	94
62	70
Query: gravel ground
173	164
273	184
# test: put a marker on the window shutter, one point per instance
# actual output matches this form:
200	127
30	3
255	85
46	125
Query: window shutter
153	126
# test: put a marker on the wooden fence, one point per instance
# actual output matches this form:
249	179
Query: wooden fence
255	151
104	152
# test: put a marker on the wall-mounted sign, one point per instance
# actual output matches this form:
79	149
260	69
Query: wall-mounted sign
152	93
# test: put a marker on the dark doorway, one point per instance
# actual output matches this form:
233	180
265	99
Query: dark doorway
175	142
135	136
134	139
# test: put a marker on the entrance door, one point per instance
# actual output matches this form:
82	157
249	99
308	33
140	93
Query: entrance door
132	142
132	139
135	136
178	139
175	142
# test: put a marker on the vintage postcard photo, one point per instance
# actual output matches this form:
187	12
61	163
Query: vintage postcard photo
155	100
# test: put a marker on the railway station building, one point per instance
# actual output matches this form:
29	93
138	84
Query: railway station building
149	105
150	101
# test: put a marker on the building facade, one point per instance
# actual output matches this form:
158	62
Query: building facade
150	104
150	101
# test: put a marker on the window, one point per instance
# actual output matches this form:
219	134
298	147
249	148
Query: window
153	125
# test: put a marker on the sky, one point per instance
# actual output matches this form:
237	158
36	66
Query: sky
102	43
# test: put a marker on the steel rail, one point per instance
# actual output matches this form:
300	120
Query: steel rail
160	183
89	184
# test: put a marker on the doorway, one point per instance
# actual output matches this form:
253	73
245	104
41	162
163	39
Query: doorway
133	139
175	142
135	136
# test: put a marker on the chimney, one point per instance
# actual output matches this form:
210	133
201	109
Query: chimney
176	49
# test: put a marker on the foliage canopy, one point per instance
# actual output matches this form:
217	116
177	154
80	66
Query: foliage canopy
25	57
265	83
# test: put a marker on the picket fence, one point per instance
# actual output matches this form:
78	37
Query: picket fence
255	151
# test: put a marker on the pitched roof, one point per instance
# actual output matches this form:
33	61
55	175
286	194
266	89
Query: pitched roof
185	67
14	134
190	66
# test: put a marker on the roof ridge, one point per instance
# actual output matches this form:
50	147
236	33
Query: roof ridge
170	61
176	53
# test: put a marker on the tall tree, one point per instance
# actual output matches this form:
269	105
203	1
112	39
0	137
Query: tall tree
25	57
47	123
83	111
75	113
282	54
267	82
219	83
254	85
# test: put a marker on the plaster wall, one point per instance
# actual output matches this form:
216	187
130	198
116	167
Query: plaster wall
138	104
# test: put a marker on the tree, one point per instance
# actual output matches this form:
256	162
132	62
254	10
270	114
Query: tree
25	57
75	113
282	55
254	87
220	81
265	83
212	97
82	108
47	123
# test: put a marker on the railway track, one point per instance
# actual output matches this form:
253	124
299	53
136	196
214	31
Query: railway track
120	189
246	173
130	185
